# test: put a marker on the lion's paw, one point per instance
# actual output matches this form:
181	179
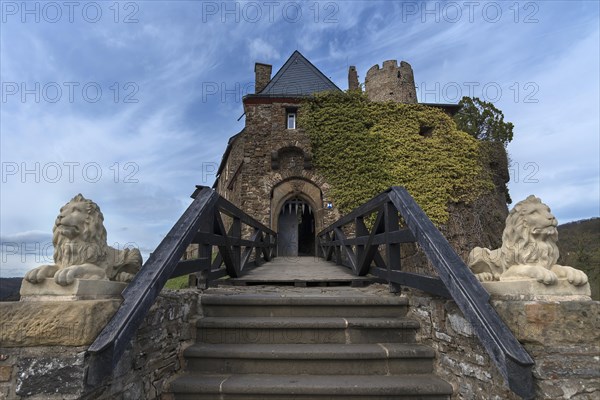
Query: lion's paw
124	277
573	275
486	277
536	272
545	276
68	275
37	275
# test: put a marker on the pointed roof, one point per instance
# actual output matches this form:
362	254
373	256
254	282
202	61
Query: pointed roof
298	76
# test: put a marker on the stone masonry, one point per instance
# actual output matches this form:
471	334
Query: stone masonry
269	164
266	163
263	76
353	78
563	338
55	367
391	83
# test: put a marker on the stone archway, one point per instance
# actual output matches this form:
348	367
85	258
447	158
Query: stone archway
296	214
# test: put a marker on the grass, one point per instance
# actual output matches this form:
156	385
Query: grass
181	282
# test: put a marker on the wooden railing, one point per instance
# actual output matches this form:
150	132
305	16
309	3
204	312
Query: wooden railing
202	223
361	254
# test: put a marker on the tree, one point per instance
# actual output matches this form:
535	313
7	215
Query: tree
482	120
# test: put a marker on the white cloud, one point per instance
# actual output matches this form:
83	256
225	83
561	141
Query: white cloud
560	133
176	128
262	50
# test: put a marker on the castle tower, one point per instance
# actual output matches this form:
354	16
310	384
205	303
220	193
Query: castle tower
353	78
267	168
392	82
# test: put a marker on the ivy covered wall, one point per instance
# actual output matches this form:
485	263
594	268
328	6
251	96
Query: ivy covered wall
364	147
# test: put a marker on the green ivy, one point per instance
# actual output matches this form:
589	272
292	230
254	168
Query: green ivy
364	147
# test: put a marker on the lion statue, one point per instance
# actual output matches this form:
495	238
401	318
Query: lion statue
81	250
528	249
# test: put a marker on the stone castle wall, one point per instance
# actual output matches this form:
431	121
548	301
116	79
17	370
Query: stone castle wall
51	371
391	83
563	338
268	163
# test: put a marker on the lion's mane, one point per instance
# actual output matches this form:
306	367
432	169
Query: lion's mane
529	238
525	244
90	245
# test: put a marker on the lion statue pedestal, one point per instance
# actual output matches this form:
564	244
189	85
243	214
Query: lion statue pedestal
80	289
85	267
525	268
532	290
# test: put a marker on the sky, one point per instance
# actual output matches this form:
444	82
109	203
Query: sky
131	103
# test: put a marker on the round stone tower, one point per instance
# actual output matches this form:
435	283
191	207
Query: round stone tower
392	82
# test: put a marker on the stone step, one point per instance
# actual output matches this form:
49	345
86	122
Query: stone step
315	387
346	305
310	359
306	330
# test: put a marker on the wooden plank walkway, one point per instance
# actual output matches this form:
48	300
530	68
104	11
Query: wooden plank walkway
300	271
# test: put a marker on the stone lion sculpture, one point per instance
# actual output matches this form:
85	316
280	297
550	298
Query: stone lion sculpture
528	249
81	250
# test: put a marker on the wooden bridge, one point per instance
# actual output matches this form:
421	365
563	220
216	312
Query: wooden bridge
302	272
302	347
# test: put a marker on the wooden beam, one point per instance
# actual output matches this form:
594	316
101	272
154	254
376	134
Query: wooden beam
225	248
367	208
422	282
146	285
187	267
371	248
347	249
392	250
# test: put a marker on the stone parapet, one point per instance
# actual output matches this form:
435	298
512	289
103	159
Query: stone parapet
43	348
563	338
56	323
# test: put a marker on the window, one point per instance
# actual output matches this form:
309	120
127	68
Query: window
291	114
291	120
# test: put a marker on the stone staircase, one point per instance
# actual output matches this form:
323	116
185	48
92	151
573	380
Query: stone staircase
339	345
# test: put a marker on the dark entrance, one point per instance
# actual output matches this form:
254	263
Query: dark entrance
296	229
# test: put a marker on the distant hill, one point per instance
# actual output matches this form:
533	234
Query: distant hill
579	245
9	289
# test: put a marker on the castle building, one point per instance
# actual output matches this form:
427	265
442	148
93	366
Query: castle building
267	169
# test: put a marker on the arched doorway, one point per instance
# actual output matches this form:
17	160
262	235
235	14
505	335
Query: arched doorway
296	229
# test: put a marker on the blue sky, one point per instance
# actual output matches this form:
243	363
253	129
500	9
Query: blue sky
132	103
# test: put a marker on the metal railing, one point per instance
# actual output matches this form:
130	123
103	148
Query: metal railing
362	254
202	223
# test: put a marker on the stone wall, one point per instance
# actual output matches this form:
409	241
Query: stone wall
391	83
268	163
563	338
57	371
265	157
229	184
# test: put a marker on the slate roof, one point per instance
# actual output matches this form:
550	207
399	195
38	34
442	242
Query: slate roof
298	76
